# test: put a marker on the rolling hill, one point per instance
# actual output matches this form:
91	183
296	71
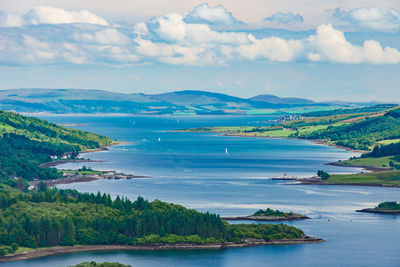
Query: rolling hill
61	101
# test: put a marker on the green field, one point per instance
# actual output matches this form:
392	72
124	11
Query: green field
388	142
382	162
267	131
384	177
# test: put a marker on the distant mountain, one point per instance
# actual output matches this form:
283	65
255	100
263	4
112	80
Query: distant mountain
278	100
179	102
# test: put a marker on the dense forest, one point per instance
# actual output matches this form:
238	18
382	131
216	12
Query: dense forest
27	142
51	217
384	150
389	205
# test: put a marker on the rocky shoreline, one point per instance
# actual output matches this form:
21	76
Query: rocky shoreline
293	217
380	211
313	181
42	252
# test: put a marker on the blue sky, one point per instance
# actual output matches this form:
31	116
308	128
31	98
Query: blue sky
336	49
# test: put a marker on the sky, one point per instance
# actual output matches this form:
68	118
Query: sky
317	49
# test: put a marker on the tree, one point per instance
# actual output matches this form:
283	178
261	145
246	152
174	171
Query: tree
323	175
42	187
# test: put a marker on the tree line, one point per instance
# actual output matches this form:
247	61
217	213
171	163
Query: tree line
53	217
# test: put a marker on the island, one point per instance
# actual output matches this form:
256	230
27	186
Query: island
268	215
388	207
100	264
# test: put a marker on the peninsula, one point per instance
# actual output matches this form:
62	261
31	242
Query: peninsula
389	207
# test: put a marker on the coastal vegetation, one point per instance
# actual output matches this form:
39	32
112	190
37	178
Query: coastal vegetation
102	264
359	129
374	130
52	217
385	178
388	207
271	212
27	142
268	215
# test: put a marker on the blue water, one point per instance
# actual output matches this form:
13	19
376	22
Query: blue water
192	169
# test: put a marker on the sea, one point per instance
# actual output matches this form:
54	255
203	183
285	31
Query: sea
231	176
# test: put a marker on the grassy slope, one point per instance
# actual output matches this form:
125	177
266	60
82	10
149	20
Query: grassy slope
41	130
382	162
361	130
27	142
378	126
373	178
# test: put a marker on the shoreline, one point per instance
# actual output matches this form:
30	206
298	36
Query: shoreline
78	160
307	181
267	218
315	141
88	177
367	168
43	252
82	179
379	211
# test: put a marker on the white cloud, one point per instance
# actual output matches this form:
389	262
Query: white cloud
331	45
285	18
172	28
216	16
10	20
273	49
374	53
37	50
370	18
170	39
174	54
104	36
52	15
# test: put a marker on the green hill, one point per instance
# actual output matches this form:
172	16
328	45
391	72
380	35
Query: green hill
53	217
27	142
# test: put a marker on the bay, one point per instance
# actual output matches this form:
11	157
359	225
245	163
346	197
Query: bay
192	169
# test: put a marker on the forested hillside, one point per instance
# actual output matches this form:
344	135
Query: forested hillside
52	217
355	130
27	142
363	134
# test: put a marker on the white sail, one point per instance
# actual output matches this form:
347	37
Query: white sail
226	150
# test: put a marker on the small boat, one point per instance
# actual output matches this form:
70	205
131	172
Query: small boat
159	139
226	151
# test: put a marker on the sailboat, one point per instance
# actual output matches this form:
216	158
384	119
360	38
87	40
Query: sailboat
159	139
226	151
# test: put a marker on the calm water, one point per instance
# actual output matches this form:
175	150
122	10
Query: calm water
192	169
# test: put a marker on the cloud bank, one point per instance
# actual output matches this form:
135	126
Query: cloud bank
202	37
370	18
